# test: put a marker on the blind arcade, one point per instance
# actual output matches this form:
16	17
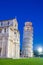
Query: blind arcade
6	23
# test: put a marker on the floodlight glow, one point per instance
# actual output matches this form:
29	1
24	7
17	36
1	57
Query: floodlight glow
39	49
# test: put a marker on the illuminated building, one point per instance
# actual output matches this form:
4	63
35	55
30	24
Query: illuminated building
27	46
9	39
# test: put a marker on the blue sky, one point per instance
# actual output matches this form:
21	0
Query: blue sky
25	10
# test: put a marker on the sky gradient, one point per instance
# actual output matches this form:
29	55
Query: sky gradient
25	10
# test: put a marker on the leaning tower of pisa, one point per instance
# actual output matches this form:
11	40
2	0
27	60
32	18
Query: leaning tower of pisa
27	47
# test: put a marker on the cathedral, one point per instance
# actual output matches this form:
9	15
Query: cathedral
9	39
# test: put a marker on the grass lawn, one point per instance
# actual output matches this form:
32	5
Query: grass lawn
29	61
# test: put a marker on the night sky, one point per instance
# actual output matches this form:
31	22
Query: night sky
25	10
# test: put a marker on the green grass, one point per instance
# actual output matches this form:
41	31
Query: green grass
29	61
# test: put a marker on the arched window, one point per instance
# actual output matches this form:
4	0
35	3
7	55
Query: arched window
1	23
0	30
5	30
